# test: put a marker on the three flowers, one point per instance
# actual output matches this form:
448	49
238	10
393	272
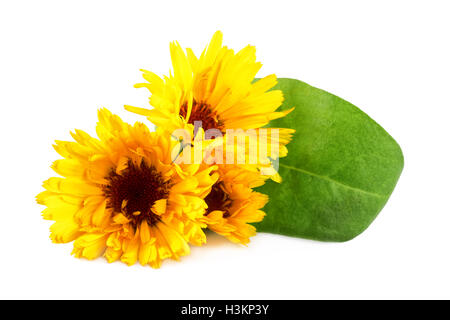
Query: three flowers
139	196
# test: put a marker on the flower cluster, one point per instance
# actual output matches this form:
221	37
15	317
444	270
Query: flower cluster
135	195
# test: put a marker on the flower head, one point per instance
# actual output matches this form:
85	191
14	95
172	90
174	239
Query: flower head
232	204
217	89
122	196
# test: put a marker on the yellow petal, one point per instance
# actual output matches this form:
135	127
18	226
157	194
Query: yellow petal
64	231
186	185
130	255
90	245
159	207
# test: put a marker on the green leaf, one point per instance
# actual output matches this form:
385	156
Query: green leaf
340	171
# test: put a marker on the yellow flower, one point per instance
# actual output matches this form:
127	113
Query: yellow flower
121	195
232	204
217	88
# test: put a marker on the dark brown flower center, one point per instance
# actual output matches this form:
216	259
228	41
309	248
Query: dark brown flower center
218	199
202	112
134	191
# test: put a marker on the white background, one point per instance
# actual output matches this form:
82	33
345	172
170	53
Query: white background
60	61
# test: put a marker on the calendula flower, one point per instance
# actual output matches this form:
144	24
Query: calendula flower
122	196
232	204
217	89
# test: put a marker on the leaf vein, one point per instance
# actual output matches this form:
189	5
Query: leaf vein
334	181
